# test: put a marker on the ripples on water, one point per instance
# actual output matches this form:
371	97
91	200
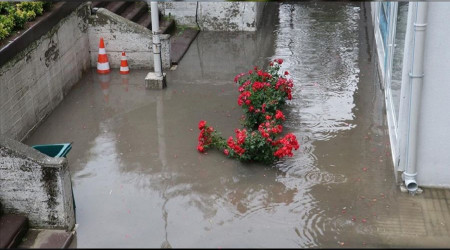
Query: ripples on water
141	172
319	45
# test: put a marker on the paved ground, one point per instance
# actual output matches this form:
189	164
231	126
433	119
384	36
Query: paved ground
139	181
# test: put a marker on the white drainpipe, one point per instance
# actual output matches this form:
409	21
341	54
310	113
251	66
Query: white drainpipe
416	79
156	40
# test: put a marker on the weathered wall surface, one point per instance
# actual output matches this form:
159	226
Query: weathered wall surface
255	46
36	186
35	81
216	16
119	35
183	12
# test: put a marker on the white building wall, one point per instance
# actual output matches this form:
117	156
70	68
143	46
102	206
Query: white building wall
433	143
433	155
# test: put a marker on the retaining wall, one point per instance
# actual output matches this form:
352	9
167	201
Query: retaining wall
216	16
35	80
121	34
36	186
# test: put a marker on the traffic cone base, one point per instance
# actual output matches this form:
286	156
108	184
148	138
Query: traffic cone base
124	70
103	68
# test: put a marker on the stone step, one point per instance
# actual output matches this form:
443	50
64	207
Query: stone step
99	4
135	11
166	26
180	42
46	238
146	21
12	228
139	13
118	7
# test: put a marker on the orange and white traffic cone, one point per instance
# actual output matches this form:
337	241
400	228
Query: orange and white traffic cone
102	61
124	65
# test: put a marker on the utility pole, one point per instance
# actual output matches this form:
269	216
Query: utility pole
156	79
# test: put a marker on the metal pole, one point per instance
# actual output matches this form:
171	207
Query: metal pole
156	40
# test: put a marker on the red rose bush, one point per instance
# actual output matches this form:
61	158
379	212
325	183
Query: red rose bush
262	96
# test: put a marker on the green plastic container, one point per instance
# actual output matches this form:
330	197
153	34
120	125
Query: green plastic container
54	150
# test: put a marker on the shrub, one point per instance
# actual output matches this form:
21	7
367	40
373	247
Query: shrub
36	7
6	25
13	16
262	96
262	93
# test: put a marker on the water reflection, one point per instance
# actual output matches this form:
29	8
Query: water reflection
125	82
319	45
104	80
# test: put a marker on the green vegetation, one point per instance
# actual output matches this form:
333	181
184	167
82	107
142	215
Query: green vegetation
14	15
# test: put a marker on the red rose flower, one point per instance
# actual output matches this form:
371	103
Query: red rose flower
279	115
201	125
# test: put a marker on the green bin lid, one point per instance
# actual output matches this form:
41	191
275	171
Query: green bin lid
54	150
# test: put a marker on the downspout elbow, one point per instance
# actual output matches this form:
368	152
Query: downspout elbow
410	182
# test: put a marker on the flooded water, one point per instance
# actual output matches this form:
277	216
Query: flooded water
138	180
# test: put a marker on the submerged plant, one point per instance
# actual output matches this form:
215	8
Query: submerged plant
262	96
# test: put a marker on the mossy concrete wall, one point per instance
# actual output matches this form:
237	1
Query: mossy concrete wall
121	34
35	185
36	79
216	16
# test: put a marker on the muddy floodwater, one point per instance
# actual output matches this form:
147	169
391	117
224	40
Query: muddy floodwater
138	180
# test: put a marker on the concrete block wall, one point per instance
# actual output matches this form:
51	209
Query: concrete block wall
35	81
183	12
36	186
216	16
121	34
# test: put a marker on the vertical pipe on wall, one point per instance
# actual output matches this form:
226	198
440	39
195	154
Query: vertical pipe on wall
416	75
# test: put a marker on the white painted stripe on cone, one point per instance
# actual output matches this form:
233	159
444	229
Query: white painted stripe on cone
103	66
102	51
124	58
124	69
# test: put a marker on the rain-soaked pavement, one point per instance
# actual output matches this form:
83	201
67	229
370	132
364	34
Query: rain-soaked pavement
138	180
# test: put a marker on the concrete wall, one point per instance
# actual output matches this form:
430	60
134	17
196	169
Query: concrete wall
184	13
35	81
252	48
216	16
434	123
119	35
36	186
